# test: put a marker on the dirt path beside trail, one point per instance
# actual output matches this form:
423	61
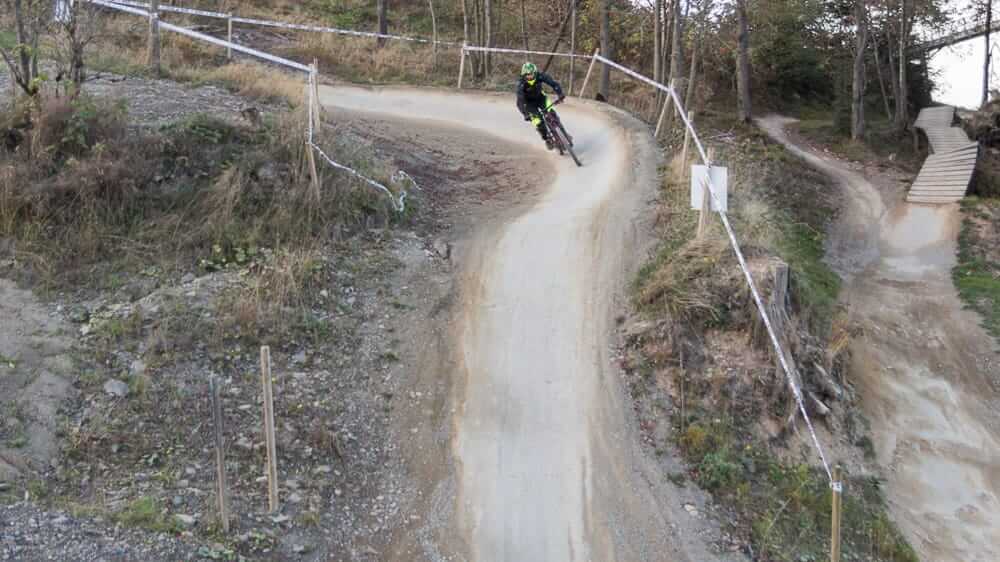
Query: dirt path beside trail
927	373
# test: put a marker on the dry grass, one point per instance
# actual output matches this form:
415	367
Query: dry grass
253	81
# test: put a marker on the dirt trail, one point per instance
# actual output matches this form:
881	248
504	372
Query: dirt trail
927	373
548	467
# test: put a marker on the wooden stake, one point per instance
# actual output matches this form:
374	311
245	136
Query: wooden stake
706	200
229	36
317	121
687	140
663	112
590	69
461	67
838	492
221	490
272	459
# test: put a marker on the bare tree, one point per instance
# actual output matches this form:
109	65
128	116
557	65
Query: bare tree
881	77
605	48
30	19
986	63
383	23
434	31
78	28
657	42
743	64
524	26
858	80
902	98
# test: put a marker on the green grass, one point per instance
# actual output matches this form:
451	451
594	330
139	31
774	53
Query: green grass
7	40
787	506
146	513
977	275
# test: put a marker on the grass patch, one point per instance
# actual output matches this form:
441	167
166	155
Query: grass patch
787	505
81	188
977	274
146	513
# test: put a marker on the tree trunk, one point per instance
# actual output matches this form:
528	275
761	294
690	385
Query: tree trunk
383	23
24	56
657	45
881	79
562	31
858	81
153	42
743	66
676	59
488	27
689	96
524	27
902	101
434	32
666	22
605	48
986	63
572	47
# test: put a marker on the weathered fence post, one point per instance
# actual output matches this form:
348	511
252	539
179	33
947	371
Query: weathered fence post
838	492
586	79
221	489
272	459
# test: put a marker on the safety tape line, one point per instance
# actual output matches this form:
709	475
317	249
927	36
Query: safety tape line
178	9
521	51
204	37
796	391
298	26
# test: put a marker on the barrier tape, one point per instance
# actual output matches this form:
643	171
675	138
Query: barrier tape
522	51
169	8
796	391
398	205
298	26
204	37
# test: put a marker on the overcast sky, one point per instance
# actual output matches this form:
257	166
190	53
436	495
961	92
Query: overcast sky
960	68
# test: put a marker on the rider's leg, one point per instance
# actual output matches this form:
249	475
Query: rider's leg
536	120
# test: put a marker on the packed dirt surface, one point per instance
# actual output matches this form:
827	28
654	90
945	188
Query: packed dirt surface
927	373
548	465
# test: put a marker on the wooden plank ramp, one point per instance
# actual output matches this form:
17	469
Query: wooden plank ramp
945	175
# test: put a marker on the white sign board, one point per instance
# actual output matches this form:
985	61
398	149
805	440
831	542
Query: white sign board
699	179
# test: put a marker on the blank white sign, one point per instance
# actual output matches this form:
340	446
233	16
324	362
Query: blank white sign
720	182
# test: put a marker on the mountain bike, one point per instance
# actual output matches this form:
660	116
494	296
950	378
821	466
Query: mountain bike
557	132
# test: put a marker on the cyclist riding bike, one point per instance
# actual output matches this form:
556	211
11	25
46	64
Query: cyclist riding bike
531	100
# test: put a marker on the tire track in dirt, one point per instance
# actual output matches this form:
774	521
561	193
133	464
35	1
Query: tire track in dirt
548	465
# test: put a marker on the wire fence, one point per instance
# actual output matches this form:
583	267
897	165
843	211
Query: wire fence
135	8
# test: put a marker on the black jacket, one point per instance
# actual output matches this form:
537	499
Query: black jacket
533	95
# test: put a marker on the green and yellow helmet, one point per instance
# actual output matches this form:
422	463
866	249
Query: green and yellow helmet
528	68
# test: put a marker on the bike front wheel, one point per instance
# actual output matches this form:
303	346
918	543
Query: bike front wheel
562	140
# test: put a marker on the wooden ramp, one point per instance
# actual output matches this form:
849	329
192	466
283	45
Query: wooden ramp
946	173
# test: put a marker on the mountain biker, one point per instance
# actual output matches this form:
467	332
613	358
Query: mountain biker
531	100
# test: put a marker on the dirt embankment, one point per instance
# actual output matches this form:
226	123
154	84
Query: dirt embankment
926	371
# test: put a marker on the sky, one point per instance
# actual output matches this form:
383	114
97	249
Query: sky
960	66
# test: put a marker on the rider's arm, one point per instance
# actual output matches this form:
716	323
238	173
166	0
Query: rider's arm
546	79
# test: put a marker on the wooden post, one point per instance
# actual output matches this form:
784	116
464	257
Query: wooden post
229	36
153	41
572	45
687	141
221	489
461	67
586	79
706	200
838	492
663	112
272	460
